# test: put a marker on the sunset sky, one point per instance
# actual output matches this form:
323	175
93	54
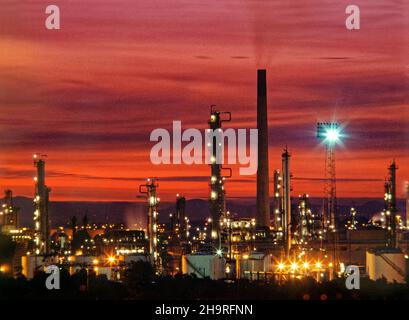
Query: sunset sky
90	94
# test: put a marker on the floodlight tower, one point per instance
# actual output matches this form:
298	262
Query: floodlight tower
330	133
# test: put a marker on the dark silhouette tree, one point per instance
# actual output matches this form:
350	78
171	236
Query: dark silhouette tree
7	248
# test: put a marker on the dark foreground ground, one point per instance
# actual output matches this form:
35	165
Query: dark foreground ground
141	284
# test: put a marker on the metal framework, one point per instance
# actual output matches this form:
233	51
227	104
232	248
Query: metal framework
330	187
328	131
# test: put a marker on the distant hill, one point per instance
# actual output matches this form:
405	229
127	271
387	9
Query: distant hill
133	214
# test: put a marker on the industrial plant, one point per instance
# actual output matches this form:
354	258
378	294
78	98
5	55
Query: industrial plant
285	238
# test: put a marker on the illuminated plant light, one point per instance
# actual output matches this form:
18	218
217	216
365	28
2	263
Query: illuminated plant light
294	266
281	266
332	135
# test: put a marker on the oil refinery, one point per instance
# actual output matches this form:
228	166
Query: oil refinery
284	238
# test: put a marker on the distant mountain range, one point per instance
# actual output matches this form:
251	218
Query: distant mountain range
133	214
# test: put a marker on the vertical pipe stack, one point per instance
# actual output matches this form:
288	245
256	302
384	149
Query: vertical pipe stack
181	216
286	199
263	197
390	197
305	224
278	220
8	213
150	189
217	192
41	214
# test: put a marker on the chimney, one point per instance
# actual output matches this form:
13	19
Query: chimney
263	196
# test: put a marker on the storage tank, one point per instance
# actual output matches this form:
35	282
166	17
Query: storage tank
33	263
393	266
204	265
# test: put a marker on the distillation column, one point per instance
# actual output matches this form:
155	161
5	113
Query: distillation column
9	213
286	199
217	192
181	217
278	219
305	225
41	213
150	189
390	205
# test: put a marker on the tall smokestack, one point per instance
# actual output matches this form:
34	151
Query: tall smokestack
263	196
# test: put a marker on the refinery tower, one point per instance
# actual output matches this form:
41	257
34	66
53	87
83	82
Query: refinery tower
217	191
41	212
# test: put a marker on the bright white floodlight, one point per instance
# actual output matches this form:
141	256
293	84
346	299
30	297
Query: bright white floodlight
333	135
329	132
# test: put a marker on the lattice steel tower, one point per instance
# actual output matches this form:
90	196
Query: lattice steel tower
329	132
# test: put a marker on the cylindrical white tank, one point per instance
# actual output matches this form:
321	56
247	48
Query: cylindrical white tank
204	265
389	265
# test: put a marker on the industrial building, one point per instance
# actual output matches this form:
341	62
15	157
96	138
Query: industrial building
9	214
